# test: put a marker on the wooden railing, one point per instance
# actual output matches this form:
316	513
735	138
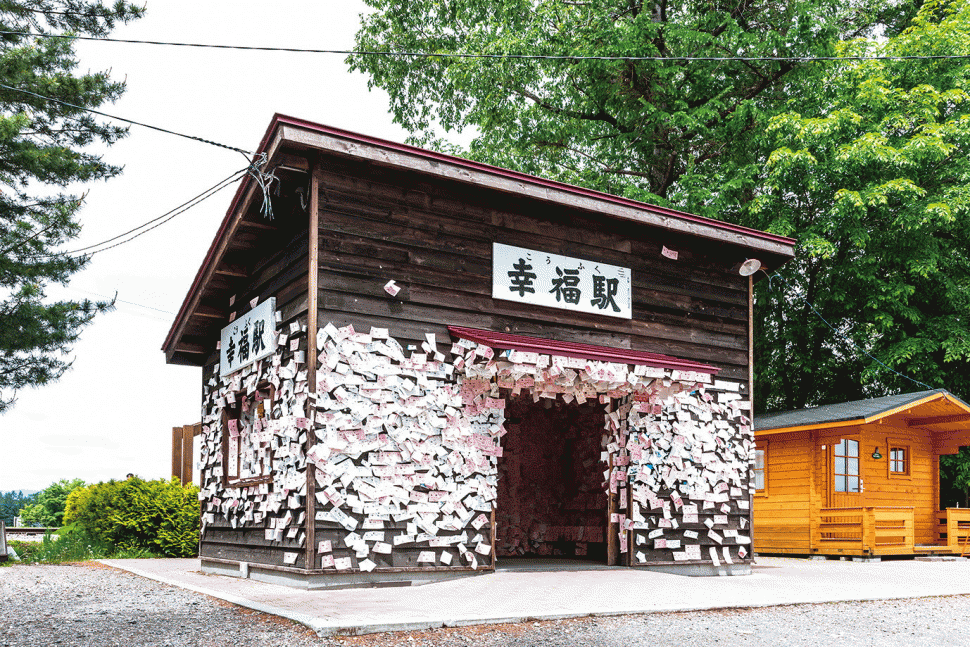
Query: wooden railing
864	531
953	528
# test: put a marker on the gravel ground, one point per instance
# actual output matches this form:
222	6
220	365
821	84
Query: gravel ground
91	604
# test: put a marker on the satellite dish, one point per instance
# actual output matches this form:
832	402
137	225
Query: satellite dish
749	267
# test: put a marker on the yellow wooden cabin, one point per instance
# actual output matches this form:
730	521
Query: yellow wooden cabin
859	478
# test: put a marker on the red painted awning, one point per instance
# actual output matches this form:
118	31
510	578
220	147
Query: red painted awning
583	351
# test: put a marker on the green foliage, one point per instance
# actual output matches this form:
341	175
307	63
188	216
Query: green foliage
955	479
160	516
72	545
11	503
26	551
669	132
865	163
870	171
44	150
49	507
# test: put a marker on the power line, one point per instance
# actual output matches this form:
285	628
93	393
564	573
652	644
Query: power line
552	57
168	214
115	298
26	240
130	121
158	222
155	222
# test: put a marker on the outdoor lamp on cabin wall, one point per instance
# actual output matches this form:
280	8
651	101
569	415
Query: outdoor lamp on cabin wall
875	454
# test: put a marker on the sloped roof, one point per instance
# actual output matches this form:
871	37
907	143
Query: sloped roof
864	411
289	140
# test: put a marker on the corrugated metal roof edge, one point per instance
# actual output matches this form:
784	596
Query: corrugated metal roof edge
281	119
582	351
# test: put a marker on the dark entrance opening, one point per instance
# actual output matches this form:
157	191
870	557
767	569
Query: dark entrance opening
552	500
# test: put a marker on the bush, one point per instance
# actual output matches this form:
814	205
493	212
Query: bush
159	516
49	507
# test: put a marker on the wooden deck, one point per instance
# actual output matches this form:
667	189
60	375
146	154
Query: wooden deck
886	531
864	531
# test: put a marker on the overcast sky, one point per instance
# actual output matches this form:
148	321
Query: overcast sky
114	411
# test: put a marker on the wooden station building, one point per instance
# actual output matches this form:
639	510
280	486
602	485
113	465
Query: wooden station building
860	478
421	364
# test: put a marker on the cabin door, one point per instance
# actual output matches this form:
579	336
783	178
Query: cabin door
844	484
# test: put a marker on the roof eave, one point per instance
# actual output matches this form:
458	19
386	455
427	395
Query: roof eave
284	130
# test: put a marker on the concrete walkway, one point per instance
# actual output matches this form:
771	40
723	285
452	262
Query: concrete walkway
520	595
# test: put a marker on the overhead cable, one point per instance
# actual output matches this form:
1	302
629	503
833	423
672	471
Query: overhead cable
124	119
552	57
156	222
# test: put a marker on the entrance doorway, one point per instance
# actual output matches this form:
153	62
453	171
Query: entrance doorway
552	501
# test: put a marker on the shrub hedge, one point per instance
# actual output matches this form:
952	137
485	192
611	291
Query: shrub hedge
158	516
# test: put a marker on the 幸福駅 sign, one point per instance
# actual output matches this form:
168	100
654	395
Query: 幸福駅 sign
249	338
542	279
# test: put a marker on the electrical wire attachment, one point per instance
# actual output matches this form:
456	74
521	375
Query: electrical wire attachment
265	179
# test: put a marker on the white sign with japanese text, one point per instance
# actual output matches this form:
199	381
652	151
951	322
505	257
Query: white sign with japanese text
528	276
249	338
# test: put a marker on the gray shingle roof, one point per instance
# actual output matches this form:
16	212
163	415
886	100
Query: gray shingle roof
841	412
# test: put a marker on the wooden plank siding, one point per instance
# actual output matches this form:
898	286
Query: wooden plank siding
436	243
787	516
283	275
917	489
782	513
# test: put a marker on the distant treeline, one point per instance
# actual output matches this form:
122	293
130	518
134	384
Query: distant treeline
11	503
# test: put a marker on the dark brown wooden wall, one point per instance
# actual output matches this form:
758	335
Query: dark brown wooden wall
280	272
435	241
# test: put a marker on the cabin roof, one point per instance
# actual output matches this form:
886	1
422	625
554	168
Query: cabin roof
290	142
936	409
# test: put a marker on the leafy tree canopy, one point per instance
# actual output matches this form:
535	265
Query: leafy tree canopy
865	163
43	151
870	170
647	129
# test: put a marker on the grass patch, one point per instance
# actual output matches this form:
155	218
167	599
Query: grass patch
71	545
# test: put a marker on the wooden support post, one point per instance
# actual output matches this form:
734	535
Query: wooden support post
177	452
313	272
492	523
629	533
751	347
611	538
188	436
751	395
868	530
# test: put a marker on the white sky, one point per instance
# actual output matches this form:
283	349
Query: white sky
114	411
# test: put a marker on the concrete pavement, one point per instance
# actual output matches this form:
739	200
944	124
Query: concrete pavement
535	592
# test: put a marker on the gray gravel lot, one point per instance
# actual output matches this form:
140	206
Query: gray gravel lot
96	605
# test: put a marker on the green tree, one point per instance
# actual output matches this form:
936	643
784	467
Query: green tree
657	131
870	171
955	480
49	509
161	515
44	150
865	163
